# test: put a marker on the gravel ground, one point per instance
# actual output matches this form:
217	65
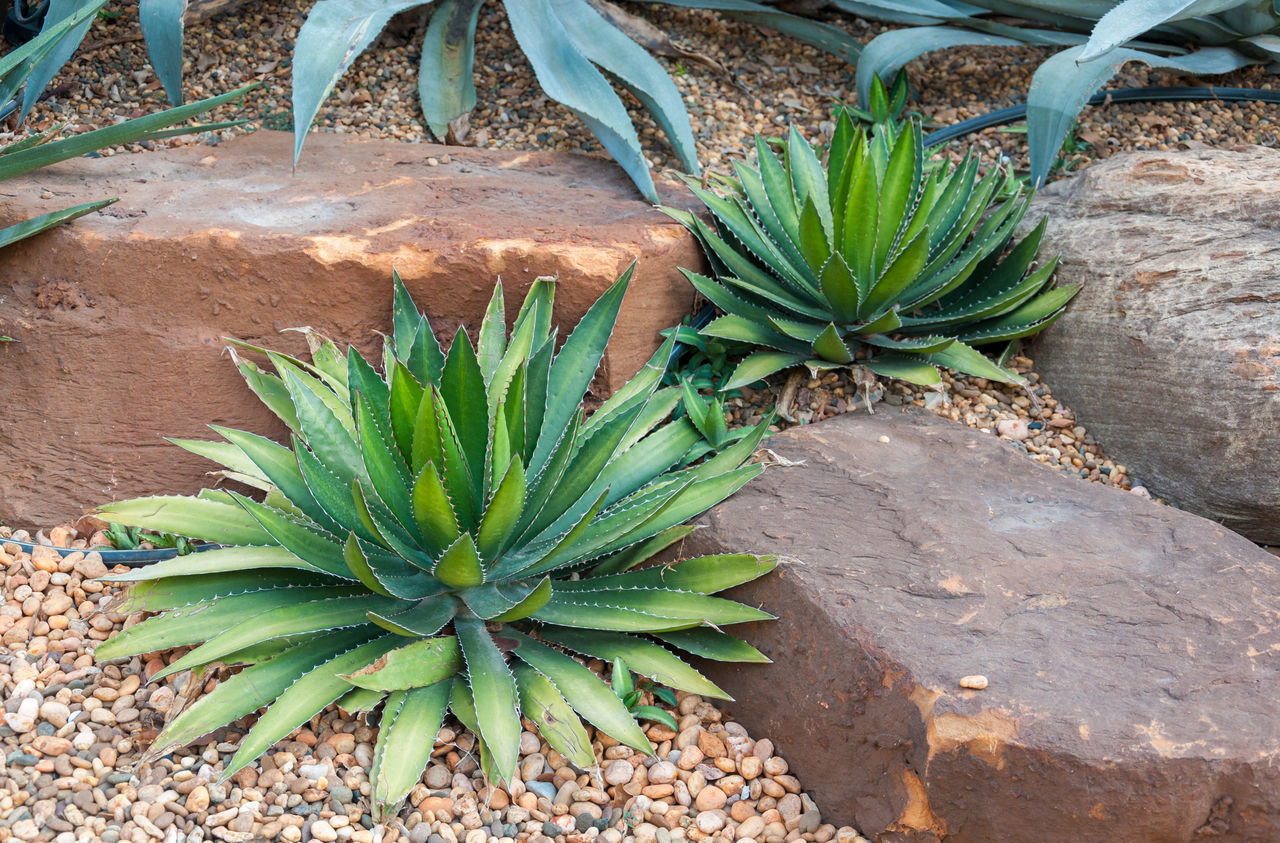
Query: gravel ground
73	733
762	82
1030	420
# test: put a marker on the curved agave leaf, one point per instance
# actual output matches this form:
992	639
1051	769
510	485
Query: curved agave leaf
406	737
715	645
216	519
446	88
542	703
334	33
281	621
304	699
1131	18
80	13
494	690
161	22
570	79
890	51
588	695
426	617
644	657
417	665
606	46
1063	84
44	222
252	688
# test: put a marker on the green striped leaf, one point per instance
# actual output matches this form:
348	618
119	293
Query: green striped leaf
426	617
252	688
169	593
417	665
291	618
304	540
497	527
585	691
303	700
715	645
218	561
702	574
462	388
433	512
460	566
411	720
494	690
643	657
576	365
190	624
542	703
218	520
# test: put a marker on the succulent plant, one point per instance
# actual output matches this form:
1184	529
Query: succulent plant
874	258
1189	38
582	53
445	537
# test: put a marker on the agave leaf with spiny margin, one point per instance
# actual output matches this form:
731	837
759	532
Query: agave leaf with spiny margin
873	257
448	534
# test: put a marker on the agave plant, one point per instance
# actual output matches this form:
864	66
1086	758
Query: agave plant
576	53
445	538
1100	37
873	258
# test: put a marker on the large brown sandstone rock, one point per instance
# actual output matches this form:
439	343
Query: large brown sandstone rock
1132	650
121	314
1171	352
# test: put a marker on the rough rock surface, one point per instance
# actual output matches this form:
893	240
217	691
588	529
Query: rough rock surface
1180	315
1131	650
120	315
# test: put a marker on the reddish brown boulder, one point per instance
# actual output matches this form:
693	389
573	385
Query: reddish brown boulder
121	315
1132	650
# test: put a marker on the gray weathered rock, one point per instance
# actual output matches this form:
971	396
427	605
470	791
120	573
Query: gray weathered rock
1171	353
1132	650
121	315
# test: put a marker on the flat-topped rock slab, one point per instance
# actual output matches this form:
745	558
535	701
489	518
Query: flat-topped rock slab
120	315
1132	651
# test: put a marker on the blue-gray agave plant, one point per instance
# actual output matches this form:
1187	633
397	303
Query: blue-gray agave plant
1100	35
576	52
445	537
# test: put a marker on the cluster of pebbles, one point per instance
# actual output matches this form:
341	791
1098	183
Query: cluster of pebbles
1028	418
74	733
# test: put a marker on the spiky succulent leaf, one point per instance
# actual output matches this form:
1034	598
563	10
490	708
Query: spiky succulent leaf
410	720
866	257
421	523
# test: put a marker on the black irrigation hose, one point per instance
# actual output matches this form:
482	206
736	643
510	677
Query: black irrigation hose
110	557
1153	94
699	321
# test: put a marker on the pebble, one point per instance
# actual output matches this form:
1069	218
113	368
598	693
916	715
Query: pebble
323	831
976	682
618	772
